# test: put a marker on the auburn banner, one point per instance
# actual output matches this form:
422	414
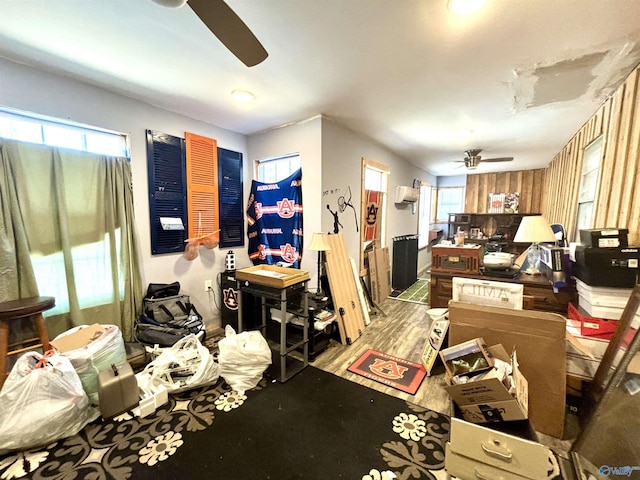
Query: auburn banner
373	210
274	217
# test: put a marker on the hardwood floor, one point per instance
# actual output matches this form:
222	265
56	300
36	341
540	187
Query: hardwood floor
402	333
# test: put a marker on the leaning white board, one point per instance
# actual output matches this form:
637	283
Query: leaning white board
363	302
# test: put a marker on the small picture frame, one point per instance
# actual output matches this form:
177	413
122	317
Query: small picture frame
475	233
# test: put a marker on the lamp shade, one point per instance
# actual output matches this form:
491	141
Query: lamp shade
534	229
319	243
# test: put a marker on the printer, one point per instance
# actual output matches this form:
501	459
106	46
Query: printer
615	264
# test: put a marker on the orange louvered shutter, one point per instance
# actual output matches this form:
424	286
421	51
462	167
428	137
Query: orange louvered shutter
202	184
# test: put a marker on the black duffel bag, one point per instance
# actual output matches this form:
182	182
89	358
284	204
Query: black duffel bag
162	290
150	332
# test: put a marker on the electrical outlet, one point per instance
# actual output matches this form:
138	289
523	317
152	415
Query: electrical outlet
208	285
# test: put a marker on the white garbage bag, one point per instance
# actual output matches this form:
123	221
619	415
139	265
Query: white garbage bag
42	404
186	365
243	358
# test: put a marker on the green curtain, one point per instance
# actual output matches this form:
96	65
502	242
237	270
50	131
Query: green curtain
67	222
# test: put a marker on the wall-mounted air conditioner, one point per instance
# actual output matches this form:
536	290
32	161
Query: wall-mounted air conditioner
404	194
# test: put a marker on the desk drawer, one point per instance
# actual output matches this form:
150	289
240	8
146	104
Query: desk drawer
499	450
464	468
546	300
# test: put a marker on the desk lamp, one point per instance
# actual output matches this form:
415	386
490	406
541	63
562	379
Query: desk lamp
534	229
319	244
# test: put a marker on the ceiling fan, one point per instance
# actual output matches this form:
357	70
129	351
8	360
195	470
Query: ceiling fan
472	159
227	26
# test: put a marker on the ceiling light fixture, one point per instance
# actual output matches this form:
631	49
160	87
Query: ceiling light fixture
170	3
243	96
464	7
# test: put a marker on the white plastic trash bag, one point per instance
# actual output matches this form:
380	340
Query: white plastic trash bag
39	405
243	358
186	365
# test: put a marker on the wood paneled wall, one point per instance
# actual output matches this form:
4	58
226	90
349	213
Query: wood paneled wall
530	184
617	202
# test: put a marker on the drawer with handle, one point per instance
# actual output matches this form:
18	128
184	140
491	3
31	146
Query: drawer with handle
490	448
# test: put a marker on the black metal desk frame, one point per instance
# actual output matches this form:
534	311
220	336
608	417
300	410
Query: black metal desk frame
281	295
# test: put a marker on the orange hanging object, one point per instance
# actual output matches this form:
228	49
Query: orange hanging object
44	361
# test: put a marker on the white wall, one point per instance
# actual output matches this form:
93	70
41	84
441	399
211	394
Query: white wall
331	158
302	138
342	153
37	91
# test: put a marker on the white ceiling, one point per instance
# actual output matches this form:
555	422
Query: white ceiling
517	79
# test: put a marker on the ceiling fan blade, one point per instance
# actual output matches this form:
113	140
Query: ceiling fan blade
230	30
501	159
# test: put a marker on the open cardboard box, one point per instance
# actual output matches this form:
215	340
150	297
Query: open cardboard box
489	400
78	339
539	338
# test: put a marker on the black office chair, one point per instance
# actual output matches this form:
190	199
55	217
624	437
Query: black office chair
561	236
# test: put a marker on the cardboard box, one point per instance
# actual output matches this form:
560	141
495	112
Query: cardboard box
539	338
605	237
489	400
272	275
467	358
380	274
79	338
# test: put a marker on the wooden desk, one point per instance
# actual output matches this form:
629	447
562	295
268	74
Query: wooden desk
535	286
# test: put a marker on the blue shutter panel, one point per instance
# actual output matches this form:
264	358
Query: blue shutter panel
230	198
167	190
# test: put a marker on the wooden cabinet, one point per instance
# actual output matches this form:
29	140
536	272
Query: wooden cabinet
538	291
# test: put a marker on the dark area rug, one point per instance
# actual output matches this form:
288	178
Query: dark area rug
315	426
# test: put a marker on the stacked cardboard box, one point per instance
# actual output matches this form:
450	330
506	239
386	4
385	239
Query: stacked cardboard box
380	274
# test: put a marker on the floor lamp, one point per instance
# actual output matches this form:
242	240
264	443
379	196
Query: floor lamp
534	229
319	244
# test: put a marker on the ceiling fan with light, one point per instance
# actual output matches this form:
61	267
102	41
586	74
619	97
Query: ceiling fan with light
472	159
225	24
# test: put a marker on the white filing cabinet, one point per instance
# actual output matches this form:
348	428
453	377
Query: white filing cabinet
475	452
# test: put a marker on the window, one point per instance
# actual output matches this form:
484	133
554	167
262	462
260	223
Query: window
271	170
588	185
424	215
448	200
76	213
35	129
374	179
91	269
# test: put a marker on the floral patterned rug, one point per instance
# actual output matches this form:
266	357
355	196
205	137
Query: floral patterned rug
316	425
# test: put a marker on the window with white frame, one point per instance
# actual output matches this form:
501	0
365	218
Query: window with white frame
55	133
588	185
375	179
424	218
274	169
91	261
448	200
